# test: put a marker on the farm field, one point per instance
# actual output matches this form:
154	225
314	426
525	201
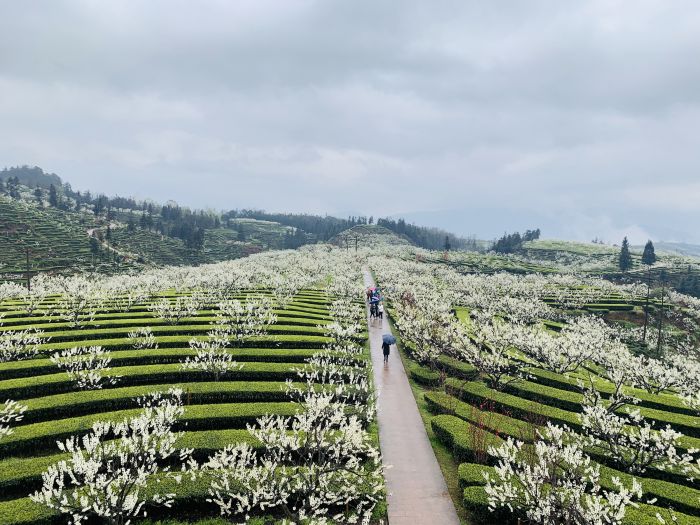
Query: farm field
508	369
55	238
296	300
58	240
489	376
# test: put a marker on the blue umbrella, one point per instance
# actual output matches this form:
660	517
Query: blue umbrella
374	300
389	339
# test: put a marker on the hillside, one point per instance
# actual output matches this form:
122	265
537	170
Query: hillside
368	235
55	239
58	239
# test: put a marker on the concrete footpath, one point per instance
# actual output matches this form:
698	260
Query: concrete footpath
417	493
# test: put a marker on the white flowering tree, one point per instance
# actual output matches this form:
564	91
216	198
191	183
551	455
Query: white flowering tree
578	341
11	412
314	466
142	338
212	356
243	320
87	367
18	345
172	312
625	436
107	477
558	484
80	301
32	300
428	335
492	352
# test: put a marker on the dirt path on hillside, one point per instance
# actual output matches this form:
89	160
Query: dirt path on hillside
416	488
91	233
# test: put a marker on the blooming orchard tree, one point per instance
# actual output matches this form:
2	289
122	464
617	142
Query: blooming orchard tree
313	465
142	338
212	356
18	345
173	312
631	443
578	342
561	485
86	366
10	412
107	477
80	301
428	336
32	300
243	320
494	352
627	438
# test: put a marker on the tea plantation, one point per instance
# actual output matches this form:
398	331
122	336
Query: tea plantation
216	415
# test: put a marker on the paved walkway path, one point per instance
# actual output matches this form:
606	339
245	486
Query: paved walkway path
417	491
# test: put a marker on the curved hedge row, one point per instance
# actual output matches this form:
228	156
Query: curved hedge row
452	431
43	436
74	404
160	356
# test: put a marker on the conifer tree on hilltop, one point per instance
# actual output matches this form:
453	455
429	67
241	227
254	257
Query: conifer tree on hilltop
625	257
38	195
649	257
131	227
447	243
53	196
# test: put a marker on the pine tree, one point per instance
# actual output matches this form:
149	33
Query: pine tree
625	257
131	227
94	245
143	221
241	235
649	257
447	244
38	195
53	196
99	207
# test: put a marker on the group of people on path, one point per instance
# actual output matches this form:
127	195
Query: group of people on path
376	305
376	311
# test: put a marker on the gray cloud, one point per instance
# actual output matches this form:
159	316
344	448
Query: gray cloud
587	110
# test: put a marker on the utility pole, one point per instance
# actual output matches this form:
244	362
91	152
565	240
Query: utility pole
29	286
646	308
661	320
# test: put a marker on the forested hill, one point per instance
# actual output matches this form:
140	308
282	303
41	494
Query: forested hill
31	176
326	227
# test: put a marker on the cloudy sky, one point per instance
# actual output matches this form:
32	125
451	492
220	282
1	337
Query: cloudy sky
581	118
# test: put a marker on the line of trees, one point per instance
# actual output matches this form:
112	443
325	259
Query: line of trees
514	241
323	227
424	236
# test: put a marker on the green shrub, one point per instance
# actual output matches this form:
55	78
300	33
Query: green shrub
571	401
73	404
160	356
40	386
43	436
424	376
20	476
666	402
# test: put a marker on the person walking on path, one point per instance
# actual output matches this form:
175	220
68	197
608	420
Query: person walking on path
386	347
380	311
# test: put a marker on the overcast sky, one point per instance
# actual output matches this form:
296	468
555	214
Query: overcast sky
581	116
